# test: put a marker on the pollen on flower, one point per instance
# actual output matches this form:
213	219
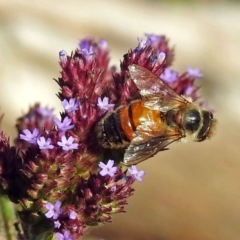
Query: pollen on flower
103	103
135	173
70	105
44	143
67	143
107	169
29	136
65	124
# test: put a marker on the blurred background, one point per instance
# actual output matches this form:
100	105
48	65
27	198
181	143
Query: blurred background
189	192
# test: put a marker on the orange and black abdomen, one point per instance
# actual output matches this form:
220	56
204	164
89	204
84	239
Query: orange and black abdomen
116	130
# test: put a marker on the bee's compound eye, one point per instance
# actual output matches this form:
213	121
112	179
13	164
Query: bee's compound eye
192	120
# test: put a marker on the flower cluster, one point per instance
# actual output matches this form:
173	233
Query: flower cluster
57	172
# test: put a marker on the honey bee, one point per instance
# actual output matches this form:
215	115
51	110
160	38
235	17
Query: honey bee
147	125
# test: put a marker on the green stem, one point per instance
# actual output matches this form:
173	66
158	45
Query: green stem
8	217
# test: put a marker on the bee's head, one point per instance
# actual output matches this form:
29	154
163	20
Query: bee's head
199	123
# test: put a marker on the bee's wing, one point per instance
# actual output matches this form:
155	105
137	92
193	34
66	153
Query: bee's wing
149	140
156	93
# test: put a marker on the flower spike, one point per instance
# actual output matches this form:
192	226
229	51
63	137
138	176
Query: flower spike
69	174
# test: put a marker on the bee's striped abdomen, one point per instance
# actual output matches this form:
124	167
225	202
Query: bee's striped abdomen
110	133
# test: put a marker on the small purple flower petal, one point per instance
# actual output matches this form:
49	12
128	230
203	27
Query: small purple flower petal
158	57
161	57
72	215
44	144
135	173
194	72
53	210
30	136
50	207
57	224
154	38
65	236
113	188
63	56
59	236
45	112
86	48
169	76
85	43
103	44
104	105
67	144
64	125
189	90
107	169
71	105
143	43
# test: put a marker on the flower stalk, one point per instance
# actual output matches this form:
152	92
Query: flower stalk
8	217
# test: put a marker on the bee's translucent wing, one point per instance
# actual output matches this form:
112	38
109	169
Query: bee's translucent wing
149	140
156	93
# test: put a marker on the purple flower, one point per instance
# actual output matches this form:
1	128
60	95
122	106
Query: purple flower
158	57
169	75
53	210
72	215
64	125
44	144
104	105
86	48
154	38
67	144
189	90
57	224
63	56
71	105
113	188
194	72
30	137
107	169
135	173
65	236
143	43
45	112
103	44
